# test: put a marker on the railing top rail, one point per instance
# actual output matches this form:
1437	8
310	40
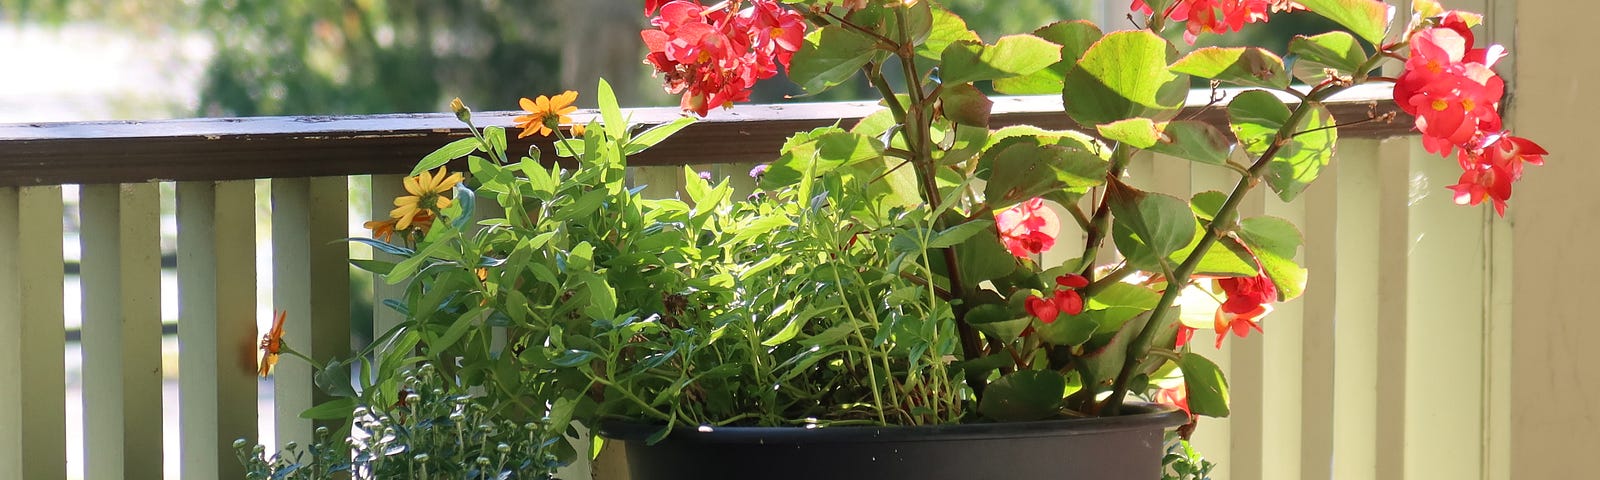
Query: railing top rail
268	147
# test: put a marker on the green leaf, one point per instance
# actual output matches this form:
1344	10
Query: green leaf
375	266
829	56
818	152
1022	169
1338	51
445	154
496	136
964	104
1186	139
610	111
1207	387
1125	75
1070	330
1163	223
1074	37
1024	396
1010	56
997	322
1255	117
1206	204
334	379
1246	66
791	328
573	358
654	135
383	246
1366	18
1275	242
959	233
983	257
947	28
338	408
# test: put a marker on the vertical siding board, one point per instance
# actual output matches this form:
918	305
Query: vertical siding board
384	190
1320	300
1393	286
1215	437
217	330
1354	312
311	282
1444	326
121	330
1283	363
11	330
32	333
1247	375
658	182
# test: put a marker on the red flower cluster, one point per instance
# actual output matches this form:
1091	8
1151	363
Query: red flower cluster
1023	227
1455	96
713	56
1249	298
1066	299
1219	16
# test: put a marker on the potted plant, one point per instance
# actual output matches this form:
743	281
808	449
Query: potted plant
877	309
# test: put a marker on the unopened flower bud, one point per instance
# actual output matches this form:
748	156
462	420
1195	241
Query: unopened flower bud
462	112
238	443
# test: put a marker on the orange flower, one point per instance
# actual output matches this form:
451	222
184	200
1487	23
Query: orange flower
545	113
272	345
384	229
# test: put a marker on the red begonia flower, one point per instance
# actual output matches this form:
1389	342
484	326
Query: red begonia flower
1177	396
712	56
1045	310
1248	299
1218	16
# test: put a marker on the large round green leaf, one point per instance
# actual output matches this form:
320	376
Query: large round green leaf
1125	75
1023	396
829	56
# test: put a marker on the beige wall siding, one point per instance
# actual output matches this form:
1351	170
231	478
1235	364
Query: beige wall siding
1555	386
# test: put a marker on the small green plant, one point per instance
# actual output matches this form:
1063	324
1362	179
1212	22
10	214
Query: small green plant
435	432
1183	462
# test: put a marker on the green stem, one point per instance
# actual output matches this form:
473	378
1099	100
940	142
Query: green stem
1140	346
1100	224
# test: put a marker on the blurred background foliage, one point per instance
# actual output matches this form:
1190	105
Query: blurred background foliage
308	57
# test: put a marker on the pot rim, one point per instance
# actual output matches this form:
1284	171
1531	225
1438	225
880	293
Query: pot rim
1144	416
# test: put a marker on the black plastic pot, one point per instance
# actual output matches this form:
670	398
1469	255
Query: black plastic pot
1124	447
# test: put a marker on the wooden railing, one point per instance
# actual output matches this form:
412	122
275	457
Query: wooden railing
1324	394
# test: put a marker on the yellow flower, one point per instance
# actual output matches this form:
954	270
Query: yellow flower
545	113
272	345
578	129
427	195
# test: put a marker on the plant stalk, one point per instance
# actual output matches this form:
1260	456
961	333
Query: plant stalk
1140	346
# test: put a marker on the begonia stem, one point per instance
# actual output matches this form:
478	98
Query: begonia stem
1140	346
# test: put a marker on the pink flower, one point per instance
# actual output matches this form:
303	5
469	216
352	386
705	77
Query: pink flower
1027	228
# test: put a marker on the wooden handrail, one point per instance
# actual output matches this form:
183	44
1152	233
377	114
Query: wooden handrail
270	147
